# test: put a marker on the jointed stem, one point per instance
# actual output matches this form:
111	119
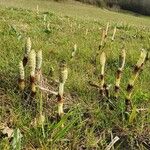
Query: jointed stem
136	71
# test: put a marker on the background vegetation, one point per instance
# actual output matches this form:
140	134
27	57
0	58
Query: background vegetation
139	6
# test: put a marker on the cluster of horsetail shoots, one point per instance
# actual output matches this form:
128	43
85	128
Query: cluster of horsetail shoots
27	51
136	71
32	65
21	76
63	75
114	33
122	58
102	82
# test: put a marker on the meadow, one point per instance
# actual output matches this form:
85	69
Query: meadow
89	122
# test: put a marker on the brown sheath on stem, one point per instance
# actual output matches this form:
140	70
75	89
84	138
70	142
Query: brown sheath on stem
106	89
128	105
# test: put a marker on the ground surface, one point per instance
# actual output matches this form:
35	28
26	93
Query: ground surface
89	123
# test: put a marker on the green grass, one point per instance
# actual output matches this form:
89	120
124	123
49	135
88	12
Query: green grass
88	122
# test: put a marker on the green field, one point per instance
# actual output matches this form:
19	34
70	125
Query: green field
89	123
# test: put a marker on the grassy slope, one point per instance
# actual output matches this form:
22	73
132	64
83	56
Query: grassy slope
78	10
90	124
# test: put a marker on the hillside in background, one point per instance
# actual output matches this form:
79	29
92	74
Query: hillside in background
138	6
90	121
79	11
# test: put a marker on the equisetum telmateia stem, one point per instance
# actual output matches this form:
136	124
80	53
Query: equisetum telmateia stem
27	51
38	66
114	33
38	79
32	65
104	36
102	81
63	75
102	40
122	58
37	9
74	51
106	31
136	71
21	76
86	31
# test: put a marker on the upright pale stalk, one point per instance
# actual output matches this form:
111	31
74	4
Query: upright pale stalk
38	79
122	58
104	36
114	33
45	18
38	65
48	27
136	71
32	65
63	75
27	51
86	31
102	40
74	51
102	62
37	9
106	31
21	76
